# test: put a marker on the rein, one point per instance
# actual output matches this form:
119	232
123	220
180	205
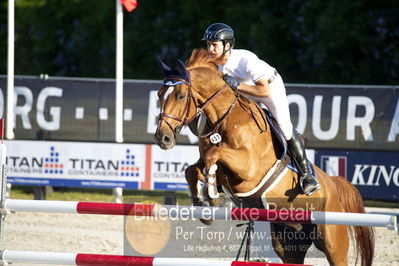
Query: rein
251	113
209	100
191	100
186	112
222	118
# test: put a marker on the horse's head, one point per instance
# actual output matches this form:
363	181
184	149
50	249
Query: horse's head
184	90
176	102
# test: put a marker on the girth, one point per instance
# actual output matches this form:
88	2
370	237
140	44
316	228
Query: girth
253	199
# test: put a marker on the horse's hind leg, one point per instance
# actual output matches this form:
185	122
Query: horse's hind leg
290	245
334	243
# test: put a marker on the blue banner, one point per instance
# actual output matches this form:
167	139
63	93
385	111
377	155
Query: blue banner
375	174
70	182
171	186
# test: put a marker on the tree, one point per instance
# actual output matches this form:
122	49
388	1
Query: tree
308	41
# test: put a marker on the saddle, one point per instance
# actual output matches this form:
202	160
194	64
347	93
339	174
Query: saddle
276	130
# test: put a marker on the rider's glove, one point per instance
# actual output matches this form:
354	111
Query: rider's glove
232	82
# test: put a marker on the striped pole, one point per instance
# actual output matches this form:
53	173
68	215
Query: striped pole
216	213
34	257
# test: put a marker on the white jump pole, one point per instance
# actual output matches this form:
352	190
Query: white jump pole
11	256
198	212
119	74
14	256
3	178
10	70
119	86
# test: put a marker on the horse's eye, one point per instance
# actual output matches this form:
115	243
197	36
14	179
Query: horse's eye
181	96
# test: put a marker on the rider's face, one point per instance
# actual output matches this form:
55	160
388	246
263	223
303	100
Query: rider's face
215	48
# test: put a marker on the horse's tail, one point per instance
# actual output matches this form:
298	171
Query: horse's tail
352	201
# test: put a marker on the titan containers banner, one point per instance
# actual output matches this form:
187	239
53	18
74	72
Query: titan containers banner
168	166
78	164
71	109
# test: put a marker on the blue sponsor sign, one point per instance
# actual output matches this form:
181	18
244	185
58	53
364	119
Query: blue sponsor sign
375	174
171	186
71	182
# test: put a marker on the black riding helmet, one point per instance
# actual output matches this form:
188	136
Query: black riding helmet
220	32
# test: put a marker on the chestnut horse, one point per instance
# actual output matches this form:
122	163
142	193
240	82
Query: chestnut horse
242	157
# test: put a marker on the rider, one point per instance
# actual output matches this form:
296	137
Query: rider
245	72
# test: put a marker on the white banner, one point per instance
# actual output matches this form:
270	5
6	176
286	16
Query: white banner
75	163
167	167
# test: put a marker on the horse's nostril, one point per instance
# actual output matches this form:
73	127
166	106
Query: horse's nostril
166	139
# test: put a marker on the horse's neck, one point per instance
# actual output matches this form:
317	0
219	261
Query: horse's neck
218	107
219	110
207	84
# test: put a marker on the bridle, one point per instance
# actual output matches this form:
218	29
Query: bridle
186	113
183	121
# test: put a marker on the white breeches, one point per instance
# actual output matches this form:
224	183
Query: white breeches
277	104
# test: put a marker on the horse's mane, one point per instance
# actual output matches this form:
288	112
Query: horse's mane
200	58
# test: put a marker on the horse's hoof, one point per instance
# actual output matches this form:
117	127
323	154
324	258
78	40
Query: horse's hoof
213	192
197	202
206	221
214	195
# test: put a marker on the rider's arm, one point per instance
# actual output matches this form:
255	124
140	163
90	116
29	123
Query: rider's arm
260	89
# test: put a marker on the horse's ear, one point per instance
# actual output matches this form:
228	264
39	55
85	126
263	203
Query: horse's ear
181	68
163	66
180	65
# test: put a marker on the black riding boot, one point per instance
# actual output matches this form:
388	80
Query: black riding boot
296	149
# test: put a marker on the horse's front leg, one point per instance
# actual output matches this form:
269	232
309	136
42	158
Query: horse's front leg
211	187
194	176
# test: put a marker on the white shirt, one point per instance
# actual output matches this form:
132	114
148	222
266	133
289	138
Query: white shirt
246	66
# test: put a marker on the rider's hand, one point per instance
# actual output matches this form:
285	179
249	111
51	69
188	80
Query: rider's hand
232	82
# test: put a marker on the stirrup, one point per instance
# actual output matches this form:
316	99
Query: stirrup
310	188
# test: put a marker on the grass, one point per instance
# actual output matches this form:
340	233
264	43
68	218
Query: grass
98	195
130	196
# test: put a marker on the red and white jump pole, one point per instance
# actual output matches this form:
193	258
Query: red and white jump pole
13	256
216	213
